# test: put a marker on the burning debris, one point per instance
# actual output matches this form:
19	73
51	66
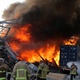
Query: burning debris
43	27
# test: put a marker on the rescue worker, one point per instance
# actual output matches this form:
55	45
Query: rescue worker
43	70
3	69
73	71
21	71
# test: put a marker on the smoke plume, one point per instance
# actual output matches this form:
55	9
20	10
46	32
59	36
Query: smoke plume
49	19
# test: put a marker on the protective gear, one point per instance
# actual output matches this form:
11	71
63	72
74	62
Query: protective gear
43	70
3	69
21	71
2	75
73	71
19	75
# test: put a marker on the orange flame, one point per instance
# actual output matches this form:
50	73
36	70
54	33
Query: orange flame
14	46
48	52
71	41
22	33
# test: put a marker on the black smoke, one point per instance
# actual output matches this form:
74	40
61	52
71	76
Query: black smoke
50	19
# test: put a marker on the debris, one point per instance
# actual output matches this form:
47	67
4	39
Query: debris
55	76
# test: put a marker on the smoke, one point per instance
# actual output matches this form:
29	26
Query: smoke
50	19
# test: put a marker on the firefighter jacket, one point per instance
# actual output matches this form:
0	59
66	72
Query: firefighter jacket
3	75
43	70
21	71
3	68
73	69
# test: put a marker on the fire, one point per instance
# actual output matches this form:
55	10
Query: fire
14	46
22	34
48	52
71	41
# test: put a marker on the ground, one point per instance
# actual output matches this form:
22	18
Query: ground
68	78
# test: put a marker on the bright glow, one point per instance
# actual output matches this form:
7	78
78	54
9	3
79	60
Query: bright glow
5	3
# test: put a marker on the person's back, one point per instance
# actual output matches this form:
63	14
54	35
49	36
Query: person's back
3	69
73	71
21	71
43	71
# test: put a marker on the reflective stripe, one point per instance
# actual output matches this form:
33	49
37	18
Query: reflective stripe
9	72
42	77
43	69
4	75
21	70
2	71
73	71
2	78
29	75
19	77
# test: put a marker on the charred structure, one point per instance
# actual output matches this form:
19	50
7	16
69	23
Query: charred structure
6	52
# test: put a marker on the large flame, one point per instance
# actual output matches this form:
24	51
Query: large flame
48	52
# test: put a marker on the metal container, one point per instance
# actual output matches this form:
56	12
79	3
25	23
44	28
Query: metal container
67	53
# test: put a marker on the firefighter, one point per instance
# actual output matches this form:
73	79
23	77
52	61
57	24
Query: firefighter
3	69
73	71
43	70
21	71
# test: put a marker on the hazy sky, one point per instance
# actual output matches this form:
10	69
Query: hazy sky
5	3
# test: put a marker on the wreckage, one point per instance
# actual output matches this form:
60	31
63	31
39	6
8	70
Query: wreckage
11	57
6	51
